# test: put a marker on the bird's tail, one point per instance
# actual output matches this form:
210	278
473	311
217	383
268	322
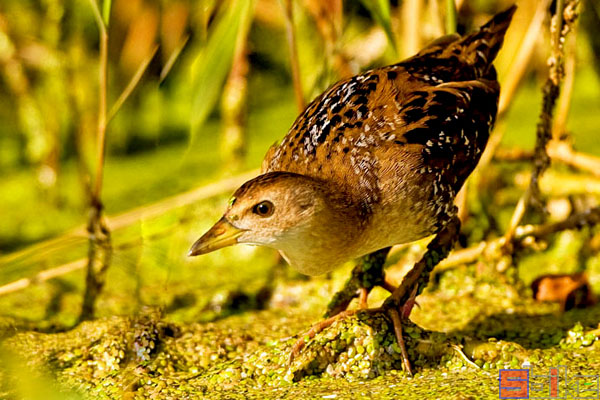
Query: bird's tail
480	48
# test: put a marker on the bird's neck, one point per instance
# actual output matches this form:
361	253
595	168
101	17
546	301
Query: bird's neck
326	244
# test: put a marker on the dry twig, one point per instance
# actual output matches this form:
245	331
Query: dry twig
564	102
234	108
491	249
100	248
521	60
288	8
551	91
558	151
99	251
563	152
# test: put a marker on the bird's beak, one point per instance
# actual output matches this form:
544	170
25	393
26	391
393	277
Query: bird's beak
222	234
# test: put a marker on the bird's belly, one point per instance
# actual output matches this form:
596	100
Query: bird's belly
399	223
403	227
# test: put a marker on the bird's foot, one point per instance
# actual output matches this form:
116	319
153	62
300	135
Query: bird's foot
326	323
397	322
315	330
395	313
399	313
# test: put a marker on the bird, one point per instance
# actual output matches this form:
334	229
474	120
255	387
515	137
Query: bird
375	161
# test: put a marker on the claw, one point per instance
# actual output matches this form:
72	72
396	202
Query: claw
409	305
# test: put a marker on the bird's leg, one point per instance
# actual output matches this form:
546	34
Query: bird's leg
418	276
397	322
367	273
363	298
408	306
413	283
410	303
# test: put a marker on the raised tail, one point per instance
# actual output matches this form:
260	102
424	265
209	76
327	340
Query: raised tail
456	58
480	48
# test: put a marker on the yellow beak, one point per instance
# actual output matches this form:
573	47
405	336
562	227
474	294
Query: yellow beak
222	234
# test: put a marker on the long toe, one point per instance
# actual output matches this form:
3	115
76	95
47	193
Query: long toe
315	330
397	322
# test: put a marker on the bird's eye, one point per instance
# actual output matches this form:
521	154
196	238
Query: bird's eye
264	209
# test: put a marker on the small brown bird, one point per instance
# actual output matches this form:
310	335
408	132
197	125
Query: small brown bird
374	161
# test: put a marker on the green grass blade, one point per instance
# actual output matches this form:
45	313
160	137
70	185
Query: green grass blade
380	10
213	64
106	5
450	17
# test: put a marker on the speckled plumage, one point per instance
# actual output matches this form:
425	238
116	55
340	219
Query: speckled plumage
422	123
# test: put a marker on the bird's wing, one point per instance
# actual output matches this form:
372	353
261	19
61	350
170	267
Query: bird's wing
449	125
432	112
333	138
344	133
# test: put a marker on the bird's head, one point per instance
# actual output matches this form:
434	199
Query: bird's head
282	210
